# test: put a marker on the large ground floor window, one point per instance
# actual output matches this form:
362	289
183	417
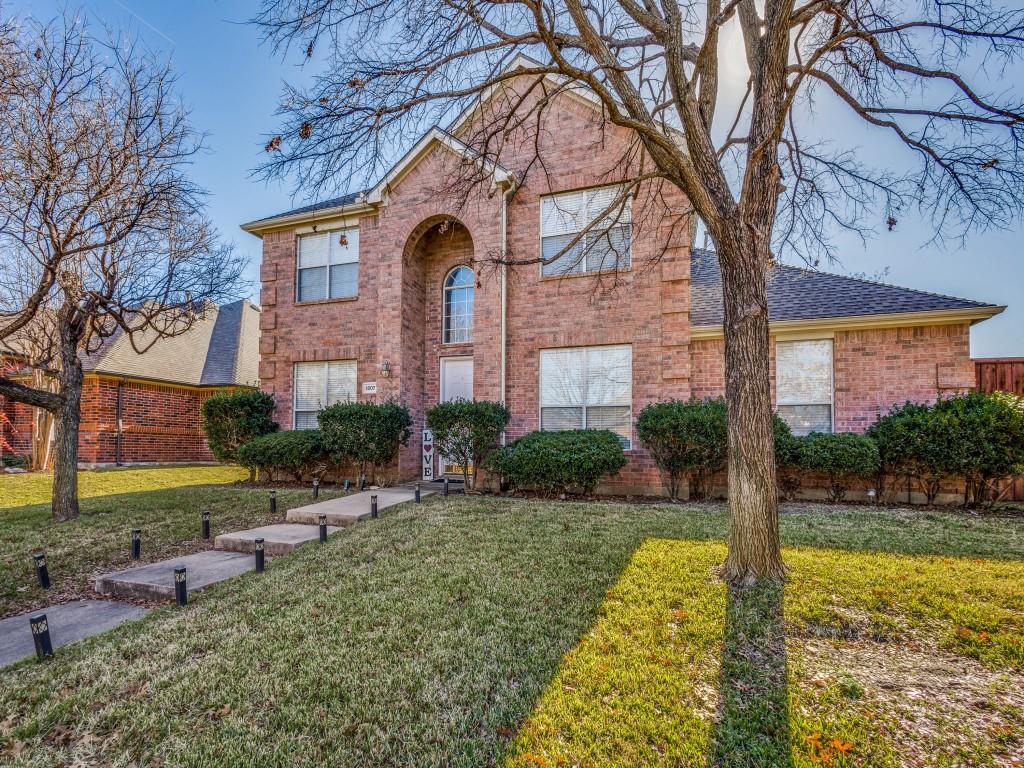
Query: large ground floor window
587	388
320	384
803	384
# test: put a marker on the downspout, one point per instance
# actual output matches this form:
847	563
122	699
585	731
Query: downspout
504	292
120	423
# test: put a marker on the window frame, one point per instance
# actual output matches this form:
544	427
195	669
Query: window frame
329	233
326	384
444	302
830	338
627	205
630	443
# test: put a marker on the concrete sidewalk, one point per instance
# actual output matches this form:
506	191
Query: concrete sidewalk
69	622
349	510
155	581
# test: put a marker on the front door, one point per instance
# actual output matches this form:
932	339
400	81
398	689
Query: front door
456	384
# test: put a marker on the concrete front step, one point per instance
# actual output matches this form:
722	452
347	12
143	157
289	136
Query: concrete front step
279	539
155	581
68	623
349	510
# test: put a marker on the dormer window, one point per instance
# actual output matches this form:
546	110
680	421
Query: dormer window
328	265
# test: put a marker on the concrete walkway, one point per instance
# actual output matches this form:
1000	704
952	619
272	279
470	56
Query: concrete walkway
279	539
155	581
69	622
349	510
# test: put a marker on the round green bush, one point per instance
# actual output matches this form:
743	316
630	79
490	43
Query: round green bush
365	434
231	419
297	452
466	431
555	462
913	440
686	439
842	456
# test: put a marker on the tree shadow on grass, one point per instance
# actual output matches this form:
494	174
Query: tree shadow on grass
752	728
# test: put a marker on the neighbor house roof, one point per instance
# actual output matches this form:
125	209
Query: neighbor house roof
797	296
220	349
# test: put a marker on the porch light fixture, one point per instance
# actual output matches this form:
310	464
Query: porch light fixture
385	369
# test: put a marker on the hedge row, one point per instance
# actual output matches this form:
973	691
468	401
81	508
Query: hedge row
558	462
976	438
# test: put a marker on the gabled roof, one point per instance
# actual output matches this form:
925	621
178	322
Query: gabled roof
798	295
220	349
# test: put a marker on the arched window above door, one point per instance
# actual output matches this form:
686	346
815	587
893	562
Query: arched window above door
458	306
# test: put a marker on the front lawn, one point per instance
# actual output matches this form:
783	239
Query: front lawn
165	502
482	631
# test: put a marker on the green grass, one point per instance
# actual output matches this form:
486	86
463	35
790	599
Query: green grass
164	502
482	631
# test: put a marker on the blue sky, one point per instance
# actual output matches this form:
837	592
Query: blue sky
231	84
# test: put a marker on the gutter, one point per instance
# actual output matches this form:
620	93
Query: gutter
505	195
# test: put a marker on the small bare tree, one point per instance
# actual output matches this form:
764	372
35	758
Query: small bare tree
764	180
101	232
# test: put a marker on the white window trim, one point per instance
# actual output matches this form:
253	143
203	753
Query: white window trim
584	405
585	272
444	297
784	338
329	232
325	364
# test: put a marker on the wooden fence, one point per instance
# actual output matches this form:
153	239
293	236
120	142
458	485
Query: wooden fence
1003	374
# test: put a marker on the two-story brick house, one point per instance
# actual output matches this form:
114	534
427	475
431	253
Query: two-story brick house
395	293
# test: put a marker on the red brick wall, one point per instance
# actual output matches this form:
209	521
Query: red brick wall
874	369
16	426
161	423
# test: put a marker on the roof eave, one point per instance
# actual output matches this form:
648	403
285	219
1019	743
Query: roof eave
260	226
818	325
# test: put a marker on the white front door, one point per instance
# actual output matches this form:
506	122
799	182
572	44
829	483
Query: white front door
456	384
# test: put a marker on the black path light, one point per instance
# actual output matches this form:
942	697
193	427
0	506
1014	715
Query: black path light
445	492
41	635
259	555
417	493
206	524
373	506
316	487
323	528
273	502
180	587
42	573
136	543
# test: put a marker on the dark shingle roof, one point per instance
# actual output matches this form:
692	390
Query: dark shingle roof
334	202
805	294
221	348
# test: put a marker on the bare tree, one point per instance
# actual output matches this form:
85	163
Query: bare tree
764	180
101	232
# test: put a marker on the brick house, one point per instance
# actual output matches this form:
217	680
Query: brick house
145	408
390	293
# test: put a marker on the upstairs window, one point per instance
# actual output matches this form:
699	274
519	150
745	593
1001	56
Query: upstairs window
458	306
606	246
587	388
328	265
318	385
803	384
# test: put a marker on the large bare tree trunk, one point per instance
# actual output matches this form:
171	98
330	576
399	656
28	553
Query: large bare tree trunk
753	496
65	449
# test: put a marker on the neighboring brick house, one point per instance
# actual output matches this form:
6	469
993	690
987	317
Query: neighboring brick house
393	293
145	408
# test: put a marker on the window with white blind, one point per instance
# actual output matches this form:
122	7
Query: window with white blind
318	385
587	388
607	244
328	265
803	384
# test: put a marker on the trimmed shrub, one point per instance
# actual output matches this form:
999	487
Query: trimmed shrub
986	433
467	431
789	459
366	434
914	440
687	439
554	462
842	456
296	452
233	418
